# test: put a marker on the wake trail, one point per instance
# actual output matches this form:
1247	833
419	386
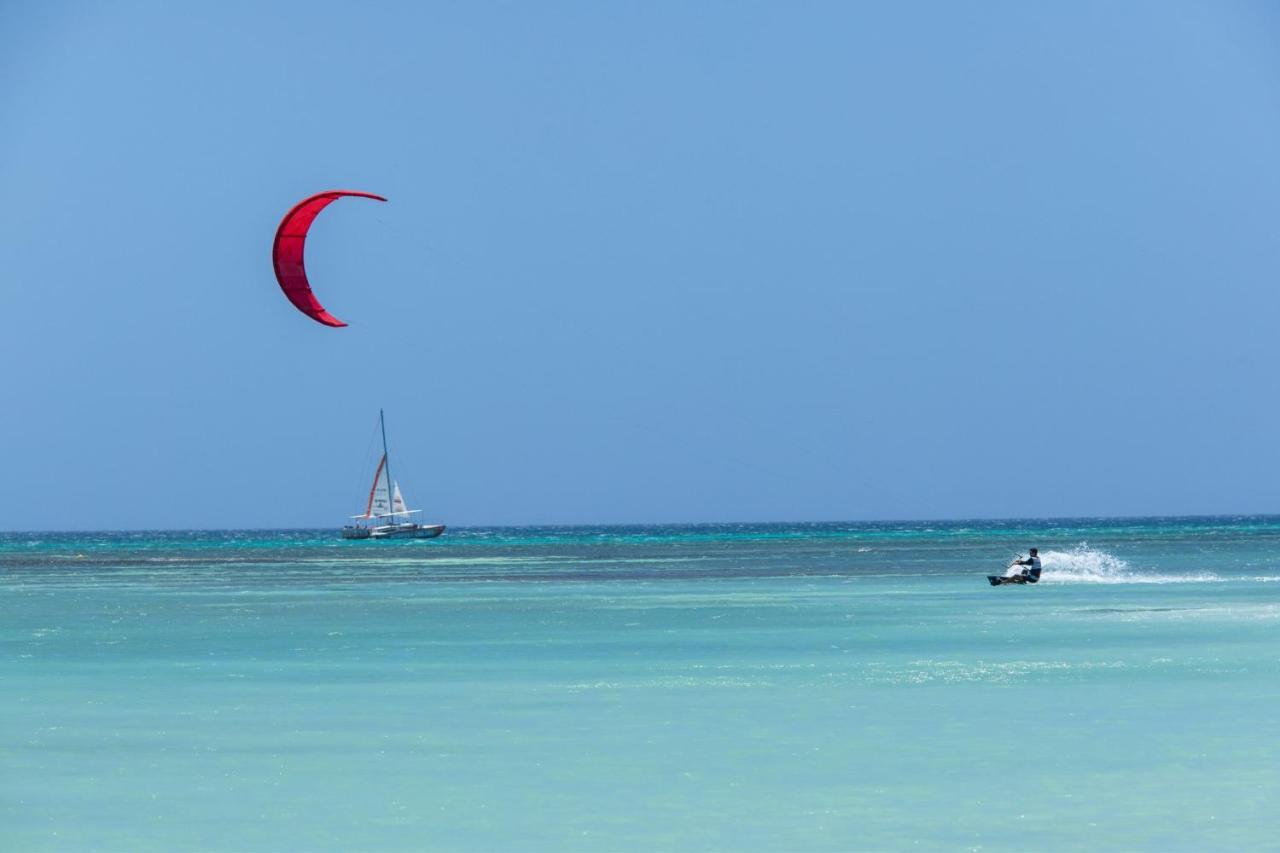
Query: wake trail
1083	564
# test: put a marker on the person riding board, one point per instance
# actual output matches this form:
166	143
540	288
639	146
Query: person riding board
1029	574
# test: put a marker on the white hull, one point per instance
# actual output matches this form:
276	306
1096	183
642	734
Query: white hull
407	531
394	531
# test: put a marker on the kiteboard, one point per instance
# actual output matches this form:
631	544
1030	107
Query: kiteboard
1000	580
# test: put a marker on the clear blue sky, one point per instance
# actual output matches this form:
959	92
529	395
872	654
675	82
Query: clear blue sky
641	261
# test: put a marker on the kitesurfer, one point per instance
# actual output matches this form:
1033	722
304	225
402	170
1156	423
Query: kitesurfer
1031	569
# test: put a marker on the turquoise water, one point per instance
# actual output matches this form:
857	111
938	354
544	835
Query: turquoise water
824	687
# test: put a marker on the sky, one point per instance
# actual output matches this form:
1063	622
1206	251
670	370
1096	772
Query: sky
640	262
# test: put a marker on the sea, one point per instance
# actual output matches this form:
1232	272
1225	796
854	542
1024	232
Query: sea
852	686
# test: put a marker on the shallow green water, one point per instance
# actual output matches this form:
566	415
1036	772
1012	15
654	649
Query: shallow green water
749	687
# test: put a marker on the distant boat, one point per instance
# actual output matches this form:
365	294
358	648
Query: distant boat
385	515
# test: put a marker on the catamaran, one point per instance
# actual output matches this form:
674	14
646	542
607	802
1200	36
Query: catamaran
385	515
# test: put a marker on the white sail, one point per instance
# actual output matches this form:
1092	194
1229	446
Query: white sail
397	502
380	505
378	501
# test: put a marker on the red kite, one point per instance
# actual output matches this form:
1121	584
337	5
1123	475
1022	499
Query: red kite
286	253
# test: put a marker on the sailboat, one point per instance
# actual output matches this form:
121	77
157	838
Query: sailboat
385	515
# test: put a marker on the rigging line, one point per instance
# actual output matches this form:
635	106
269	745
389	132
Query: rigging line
360	480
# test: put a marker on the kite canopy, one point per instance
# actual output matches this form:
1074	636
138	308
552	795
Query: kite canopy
286	253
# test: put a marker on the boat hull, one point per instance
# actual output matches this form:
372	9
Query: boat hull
394	531
408	531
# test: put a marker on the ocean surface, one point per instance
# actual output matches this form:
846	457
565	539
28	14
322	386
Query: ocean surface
735	687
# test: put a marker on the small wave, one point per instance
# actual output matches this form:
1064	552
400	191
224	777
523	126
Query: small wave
1083	564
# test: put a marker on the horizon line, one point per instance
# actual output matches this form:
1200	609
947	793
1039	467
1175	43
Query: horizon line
633	524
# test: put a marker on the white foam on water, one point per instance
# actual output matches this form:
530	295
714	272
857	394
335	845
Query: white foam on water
999	672
1083	564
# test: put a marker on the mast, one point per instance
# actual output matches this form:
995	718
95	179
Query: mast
386	456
